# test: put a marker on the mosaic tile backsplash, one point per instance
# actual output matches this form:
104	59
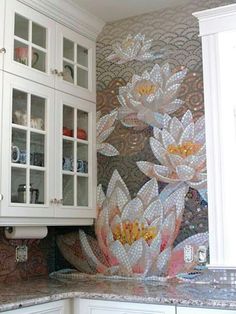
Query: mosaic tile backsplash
130	137
152	192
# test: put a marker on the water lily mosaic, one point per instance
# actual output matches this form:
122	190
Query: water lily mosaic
137	234
133	48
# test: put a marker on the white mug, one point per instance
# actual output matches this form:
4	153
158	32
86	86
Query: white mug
37	123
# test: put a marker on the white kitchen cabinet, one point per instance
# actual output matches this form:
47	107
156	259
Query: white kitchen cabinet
87	306
29	40
48	176
75	64
50	173
193	310
218	32
42	50
57	307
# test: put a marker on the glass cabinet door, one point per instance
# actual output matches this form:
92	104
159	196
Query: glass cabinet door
29	45
76	62
77	162
28	155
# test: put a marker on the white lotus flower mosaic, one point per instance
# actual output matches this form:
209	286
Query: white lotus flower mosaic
135	236
105	126
180	150
148	97
133	48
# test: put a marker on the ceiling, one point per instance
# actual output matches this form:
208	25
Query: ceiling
111	10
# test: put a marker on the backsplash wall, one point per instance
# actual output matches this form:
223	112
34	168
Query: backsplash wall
176	30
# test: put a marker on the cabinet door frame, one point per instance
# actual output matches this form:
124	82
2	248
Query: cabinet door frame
62	85
9	209
218	31
11	66
76	211
88	306
2	21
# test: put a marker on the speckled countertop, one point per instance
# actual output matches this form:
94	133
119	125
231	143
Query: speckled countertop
13	296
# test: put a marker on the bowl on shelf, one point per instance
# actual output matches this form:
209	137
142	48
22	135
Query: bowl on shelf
67	131
81	134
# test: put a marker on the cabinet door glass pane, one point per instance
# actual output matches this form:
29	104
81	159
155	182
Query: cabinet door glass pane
21	52
37	149
82	56
82	191
68	49
19	153
82	78
18	185
82	125
37	119
68	156
68	190
39	35
36	189
68	121
19	107
82	158
21	27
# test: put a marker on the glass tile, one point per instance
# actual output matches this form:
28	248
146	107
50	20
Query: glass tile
68	49
82	56
39	35
82	78
21	27
82	191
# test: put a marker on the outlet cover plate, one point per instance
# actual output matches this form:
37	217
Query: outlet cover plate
21	253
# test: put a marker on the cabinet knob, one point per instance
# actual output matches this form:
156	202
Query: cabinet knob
1	197
3	50
54	71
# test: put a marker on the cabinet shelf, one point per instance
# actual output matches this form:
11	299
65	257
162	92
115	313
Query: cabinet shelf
75	139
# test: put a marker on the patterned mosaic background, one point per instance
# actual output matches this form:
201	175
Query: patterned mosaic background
176	30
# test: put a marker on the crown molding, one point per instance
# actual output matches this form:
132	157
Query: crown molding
217	20
69	14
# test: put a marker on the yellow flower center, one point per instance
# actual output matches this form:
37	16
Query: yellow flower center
130	232
126	44
145	89
184	150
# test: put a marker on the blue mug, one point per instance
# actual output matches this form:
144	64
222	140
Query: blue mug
82	166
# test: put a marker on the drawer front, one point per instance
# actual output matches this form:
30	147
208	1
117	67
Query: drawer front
110	307
58	307
193	310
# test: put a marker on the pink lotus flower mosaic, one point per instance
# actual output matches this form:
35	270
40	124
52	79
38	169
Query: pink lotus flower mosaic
135	237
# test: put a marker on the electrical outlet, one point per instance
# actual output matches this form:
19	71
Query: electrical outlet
188	254
21	253
202	254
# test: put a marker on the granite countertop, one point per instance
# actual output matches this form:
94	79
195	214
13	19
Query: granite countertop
42	290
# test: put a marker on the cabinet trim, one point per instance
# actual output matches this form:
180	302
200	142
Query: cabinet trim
69	14
217	19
